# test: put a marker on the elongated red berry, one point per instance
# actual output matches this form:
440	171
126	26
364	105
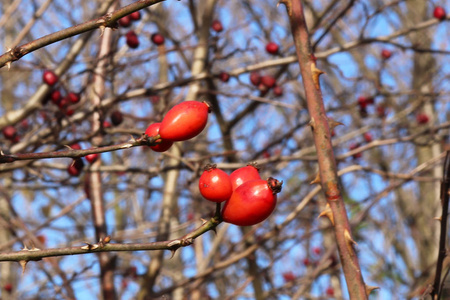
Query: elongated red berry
184	121
272	48
252	202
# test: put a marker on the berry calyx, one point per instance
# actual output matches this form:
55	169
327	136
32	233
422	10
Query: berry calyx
216	25
49	78
215	184
439	13
153	130
272	48
157	39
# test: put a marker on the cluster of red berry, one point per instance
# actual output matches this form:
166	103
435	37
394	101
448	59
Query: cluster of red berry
248	199
131	36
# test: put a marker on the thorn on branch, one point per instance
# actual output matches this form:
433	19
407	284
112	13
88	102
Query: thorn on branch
287	3
369	289
316	179
315	75
328	213
350	242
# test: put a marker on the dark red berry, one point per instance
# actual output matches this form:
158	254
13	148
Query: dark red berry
439	13
92	157
75	168
272	48
135	16
224	76
278	91
49	78
75	146
55	96
116	118
217	26
132	39
125	21
422	118
353	147
368	137
157	39
381	111
9	132
73	97
255	78
8	287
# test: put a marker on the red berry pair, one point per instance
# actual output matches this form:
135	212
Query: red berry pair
249	199
182	122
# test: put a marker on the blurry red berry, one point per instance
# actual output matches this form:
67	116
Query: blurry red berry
132	39
317	250
106	124
116	118
439	13
288	276
217	26
91	158
125	21
278	91
385	54
272	48
135	16
9	132
49	78
55	96
224	76
268	81
381	111
8	287
75	146
362	102
353	147
157	39
368	137
154	99
329	291
255	78
422	118
73	97
69	111
306	262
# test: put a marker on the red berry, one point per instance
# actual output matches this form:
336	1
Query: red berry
42	239
184	121
116	118
439	13
317	250
135	16
215	184
381	111
157	39
288	276
73	97
153	130
268	81
55	96
49	78
9	132
278	91
63	103
386	54
368	137
8	287
224	76
252	202
106	124
272	48
216	25
91	158
330	291
75	147
255	78
69	111
362	102
306	262
353	147
244	174
125	21
154	99
74	169
132	39
422	118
